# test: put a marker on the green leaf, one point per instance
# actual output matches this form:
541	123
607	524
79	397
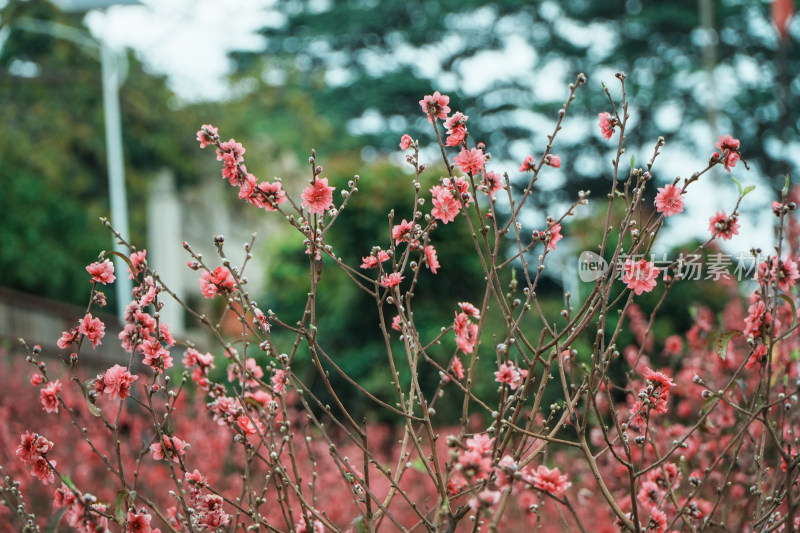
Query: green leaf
739	185
89	385
358	525
721	344
124	258
55	518
785	190
121	505
792	305
748	189
633	162
418	465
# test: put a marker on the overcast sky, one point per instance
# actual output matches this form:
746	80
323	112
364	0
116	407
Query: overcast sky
186	39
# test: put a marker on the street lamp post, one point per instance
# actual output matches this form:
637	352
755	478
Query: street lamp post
112	80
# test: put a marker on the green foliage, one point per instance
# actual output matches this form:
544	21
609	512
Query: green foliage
52	155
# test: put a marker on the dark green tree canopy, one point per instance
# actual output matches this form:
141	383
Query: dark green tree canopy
689	62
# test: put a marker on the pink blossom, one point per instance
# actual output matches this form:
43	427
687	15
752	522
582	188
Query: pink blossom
458	367
138	260
138	523
758	356
544	479
669	201
528	165
279	380
445	207
470	309
552	160
673	345
471	161
268	195
93	328
43	470
730	150
36	379
658	521
318	197
402	232
431	260
220	280
391	280
510	375
102	272
606	125
456	129
480	444
405	141
67	338
723	226
233	148
492	183
372	261
640	276
169	447
785	271
117	382
155	356
435	106
49	396
207	134
396	323
555	236
32	446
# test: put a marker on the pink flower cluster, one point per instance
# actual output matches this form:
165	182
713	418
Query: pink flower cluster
446	203
218	281
200	363
264	195
723	226
32	451
465	329
208	507
116	382
83	510
728	151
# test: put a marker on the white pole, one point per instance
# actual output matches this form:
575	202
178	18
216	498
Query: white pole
116	171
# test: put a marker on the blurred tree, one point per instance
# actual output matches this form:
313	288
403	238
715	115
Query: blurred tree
53	153
367	63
